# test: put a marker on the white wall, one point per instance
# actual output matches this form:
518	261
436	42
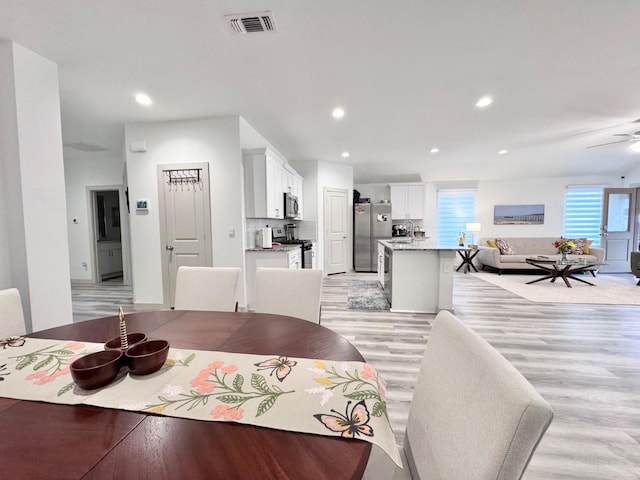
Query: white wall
547	191
212	140
94	170
34	187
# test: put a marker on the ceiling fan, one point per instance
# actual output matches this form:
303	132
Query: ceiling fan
632	137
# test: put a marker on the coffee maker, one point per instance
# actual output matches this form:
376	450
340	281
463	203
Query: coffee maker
291	231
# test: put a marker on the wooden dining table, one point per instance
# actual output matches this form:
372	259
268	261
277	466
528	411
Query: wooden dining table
41	440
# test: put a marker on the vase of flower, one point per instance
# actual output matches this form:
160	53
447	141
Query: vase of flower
564	246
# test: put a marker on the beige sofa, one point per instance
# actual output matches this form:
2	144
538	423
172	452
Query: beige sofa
525	247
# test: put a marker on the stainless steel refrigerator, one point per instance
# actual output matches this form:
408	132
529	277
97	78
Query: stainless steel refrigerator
371	222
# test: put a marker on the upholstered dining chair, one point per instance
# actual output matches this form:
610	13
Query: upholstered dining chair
473	415
292	292
11	316
207	288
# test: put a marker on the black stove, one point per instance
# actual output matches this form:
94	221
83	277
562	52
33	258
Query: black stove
296	241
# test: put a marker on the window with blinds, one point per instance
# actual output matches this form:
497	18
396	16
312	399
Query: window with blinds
456	208
583	213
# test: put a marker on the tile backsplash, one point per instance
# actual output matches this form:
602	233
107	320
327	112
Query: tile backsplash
307	229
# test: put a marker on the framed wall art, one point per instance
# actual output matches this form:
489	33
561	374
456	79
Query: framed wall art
518	214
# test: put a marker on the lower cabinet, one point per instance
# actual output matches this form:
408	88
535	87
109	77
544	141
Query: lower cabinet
109	260
381	264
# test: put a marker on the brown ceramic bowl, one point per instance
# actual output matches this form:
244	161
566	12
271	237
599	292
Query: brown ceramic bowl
96	369
147	357
132	338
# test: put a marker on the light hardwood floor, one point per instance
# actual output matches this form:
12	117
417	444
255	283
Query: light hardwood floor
584	359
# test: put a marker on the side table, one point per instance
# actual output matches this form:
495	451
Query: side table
467	255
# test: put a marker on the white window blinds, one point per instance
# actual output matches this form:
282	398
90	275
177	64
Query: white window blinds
583	213
456	208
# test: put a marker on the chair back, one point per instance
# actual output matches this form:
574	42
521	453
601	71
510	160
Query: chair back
473	415
292	292
206	288
11	316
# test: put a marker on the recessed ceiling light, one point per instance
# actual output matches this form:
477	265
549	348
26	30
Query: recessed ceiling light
338	113
345	154
143	99
635	147
484	102
503	152
434	150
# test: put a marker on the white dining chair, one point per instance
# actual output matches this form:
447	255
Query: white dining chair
291	292
11	316
207	288
473	415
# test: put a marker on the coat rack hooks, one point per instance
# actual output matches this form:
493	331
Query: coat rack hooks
182	177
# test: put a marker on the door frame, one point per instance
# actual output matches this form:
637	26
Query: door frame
348	230
166	291
619	266
91	192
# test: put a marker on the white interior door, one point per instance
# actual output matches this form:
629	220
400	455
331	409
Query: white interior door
185	221
616	236
336	230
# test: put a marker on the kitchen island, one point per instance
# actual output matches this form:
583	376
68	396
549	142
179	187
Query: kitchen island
418	275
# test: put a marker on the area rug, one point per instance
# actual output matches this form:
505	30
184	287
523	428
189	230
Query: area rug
609	288
366	296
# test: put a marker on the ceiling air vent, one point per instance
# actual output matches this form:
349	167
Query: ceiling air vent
86	147
259	22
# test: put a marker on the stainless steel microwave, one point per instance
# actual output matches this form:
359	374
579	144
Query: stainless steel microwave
290	206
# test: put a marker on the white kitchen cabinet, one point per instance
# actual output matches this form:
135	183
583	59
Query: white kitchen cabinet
266	179
109	259
263	184
295	259
381	264
296	189
407	202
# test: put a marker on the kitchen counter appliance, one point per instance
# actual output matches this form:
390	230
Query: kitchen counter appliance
371	222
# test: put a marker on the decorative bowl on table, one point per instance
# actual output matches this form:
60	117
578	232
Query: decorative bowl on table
147	357
132	339
96	369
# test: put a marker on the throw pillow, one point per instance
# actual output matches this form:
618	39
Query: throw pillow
503	245
586	250
579	248
492	243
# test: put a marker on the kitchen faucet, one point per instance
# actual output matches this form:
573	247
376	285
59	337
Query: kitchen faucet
413	228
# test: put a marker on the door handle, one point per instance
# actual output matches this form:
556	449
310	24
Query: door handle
169	247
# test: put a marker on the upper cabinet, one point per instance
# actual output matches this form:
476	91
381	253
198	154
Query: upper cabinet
407	202
294	187
266	179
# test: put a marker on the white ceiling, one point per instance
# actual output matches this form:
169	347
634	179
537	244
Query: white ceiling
564	75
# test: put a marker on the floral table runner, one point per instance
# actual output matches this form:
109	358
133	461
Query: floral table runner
323	397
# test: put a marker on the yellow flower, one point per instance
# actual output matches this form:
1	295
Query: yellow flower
156	409
320	364
323	381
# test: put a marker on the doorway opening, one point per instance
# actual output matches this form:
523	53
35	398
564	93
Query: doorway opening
107	232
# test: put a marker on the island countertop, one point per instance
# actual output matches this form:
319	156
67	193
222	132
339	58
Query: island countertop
276	249
417	244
